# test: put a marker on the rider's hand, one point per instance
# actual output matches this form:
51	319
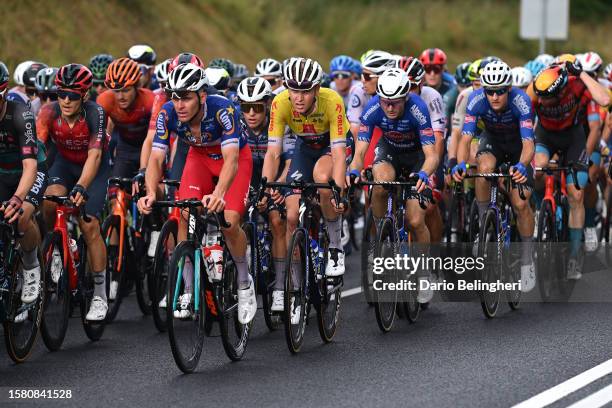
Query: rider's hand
277	197
339	209
78	195
145	204
12	209
458	172
213	203
574	68
352	177
137	180
423	181
519	173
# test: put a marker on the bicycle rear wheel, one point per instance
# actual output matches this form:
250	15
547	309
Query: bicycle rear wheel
163	252
186	335
93	330
410	306
385	301
116	264
21	328
545	256
490	249
454	224
143	273
330	296
368	247
58	296
295	292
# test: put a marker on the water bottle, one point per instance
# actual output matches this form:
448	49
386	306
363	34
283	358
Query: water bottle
74	250
559	216
214	261
213	235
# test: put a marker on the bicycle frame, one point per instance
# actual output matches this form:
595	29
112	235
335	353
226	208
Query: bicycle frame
61	227
120	210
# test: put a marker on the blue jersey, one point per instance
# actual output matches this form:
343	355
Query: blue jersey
448	83
409	133
516	120
220	127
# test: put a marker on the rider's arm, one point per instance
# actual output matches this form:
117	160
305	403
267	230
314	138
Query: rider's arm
96	122
229	123
457	125
338	128
368	120
431	159
437	112
523	111
599	93
26	129
28	177
276	132
594	122
422	120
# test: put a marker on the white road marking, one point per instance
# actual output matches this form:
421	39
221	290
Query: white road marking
596	400
567	387
351	292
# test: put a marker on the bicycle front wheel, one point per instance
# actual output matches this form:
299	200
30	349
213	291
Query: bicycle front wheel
490	249
295	291
93	330
328	307
163	252
186	327
116	263
368	248
385	301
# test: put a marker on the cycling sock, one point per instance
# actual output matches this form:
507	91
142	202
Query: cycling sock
243	272
575	237
188	276
526	250
100	284
334	228
30	259
482	209
279	268
590	213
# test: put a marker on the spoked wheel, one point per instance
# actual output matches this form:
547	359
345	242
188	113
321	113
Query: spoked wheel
330	296
116	264
143	271
454	225
58	295
368	248
545	254
512	266
21	327
385	301
93	330
234	335
490	249
186	333
265	277
410	306
295	291
163	252
473	223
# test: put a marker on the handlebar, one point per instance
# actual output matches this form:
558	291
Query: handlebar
194	203
65	201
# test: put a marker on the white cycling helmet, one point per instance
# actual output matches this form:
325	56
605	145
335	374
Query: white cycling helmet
378	61
496	74
268	66
161	70
20	70
521	77
254	89
393	84
302	73
608	71
591	61
218	77
187	77
545	59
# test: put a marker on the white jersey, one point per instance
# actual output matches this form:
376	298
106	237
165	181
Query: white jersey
434	102
460	107
279	90
346	98
358	99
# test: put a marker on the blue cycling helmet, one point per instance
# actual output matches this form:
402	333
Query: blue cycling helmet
356	66
535	67
341	63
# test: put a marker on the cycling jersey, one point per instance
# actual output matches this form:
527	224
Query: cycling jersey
435	104
14	94
346	98
158	101
460	107
565	113
325	126
259	143
409	133
131	124
17	138
358	99
73	143
220	127
447	84
516	119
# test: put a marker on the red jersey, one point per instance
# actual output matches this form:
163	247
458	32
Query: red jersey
132	124
569	111
73	143
158	102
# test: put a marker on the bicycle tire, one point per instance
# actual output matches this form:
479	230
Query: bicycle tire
547	232
385	306
491	272
161	263
294	332
93	330
112	261
143	271
330	300
368	248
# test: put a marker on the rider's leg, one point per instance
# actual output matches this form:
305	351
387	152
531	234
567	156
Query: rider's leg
486	164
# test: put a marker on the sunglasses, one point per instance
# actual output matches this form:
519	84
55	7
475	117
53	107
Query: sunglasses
497	91
295	86
436	69
31	92
73	96
387	103
48	96
257	107
341	75
176	95
368	77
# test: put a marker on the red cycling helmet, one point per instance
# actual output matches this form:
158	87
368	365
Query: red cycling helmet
74	77
413	67
186	58
433	56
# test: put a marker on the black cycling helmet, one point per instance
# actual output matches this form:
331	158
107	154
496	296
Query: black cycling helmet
98	64
223	63
29	76
461	74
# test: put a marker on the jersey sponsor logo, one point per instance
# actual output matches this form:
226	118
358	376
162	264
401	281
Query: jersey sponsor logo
521	104
29	132
160	126
340	124
309	128
355	101
338	108
295	114
224	116
469	119
427	132
418	115
296	175
477	98
526	124
370	111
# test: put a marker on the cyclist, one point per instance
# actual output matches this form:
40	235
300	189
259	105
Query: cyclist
29	82
98	64
508	136
17	93
558	98
145	56
45	85
76	126
255	95
434	60
240	73
210	125
22	183
272	71
316	116
521	78
535	67
219	79
463	82
545	59
342	72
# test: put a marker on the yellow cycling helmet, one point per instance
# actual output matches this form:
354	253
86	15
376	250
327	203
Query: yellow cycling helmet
473	72
365	55
566	57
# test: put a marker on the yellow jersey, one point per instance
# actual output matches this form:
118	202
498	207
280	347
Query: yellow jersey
325	126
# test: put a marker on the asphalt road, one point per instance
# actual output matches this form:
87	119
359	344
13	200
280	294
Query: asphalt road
452	357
